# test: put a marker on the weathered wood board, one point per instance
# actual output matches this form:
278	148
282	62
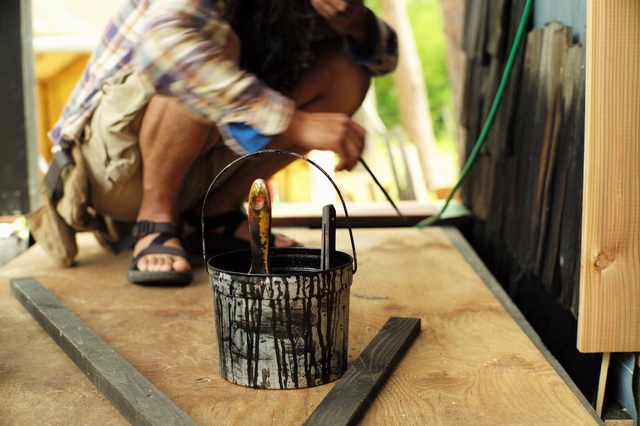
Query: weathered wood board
472	362
136	398
525	190
352	395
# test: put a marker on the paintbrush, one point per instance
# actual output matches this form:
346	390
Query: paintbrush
328	249
259	212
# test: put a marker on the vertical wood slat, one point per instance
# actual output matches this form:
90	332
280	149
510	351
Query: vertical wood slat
567	258
517	211
526	186
609	316
556	40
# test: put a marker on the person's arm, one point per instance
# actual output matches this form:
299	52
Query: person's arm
183	54
371	43
369	40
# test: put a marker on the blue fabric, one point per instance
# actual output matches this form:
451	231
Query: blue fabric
248	137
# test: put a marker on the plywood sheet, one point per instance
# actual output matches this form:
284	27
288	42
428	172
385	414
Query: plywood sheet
471	363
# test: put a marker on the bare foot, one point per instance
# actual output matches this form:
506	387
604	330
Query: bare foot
279	240
158	262
242	233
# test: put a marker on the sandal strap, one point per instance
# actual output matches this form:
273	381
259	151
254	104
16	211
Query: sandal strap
231	220
142	228
228	221
146	227
156	247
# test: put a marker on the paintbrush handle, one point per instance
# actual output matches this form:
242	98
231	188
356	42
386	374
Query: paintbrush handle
259	212
327	251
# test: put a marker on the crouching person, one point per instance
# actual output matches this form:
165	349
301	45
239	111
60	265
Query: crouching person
178	89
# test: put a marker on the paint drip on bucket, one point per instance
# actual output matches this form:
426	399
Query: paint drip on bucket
285	330
281	314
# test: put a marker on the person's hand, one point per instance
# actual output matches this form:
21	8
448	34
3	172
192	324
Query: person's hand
327	131
346	17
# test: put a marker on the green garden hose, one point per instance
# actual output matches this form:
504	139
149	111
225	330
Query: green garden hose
490	119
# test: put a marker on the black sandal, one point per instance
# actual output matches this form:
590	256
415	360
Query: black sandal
169	278
217	243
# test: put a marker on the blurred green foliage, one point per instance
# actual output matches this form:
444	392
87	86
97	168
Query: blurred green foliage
426	22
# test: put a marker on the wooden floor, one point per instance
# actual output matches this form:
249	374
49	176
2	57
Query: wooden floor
475	361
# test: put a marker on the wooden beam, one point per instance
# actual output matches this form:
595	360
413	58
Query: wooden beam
135	397
19	178
602	383
609	309
350	397
413	100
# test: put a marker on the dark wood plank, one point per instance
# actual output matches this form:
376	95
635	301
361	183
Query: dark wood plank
495	68
517	218
537	135
498	28
546	178
346	402
570	239
19	148
556	40
572	84
474	37
501	148
534	134
139	401
528	138
471	116
484	186
496	31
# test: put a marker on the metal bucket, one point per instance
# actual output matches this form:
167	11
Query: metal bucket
288	329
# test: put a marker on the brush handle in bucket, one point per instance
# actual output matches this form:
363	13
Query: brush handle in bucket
277	151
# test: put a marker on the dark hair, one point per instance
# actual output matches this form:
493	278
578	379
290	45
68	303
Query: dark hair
275	36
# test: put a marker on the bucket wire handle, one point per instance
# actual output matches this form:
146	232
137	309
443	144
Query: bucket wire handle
276	151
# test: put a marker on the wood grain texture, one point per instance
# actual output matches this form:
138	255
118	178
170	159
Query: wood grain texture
134	396
609	310
349	398
471	363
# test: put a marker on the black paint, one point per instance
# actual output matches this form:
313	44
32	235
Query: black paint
285	330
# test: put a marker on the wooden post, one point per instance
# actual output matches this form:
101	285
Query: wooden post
453	12
609	312
602	383
18	139
412	91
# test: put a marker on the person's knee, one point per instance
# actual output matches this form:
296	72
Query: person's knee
334	83
349	84
355	85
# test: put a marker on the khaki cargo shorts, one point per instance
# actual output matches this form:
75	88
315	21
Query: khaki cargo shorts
112	154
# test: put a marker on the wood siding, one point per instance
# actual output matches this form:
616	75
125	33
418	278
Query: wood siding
525	189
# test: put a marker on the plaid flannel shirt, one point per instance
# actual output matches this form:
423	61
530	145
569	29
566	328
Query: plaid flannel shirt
178	46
